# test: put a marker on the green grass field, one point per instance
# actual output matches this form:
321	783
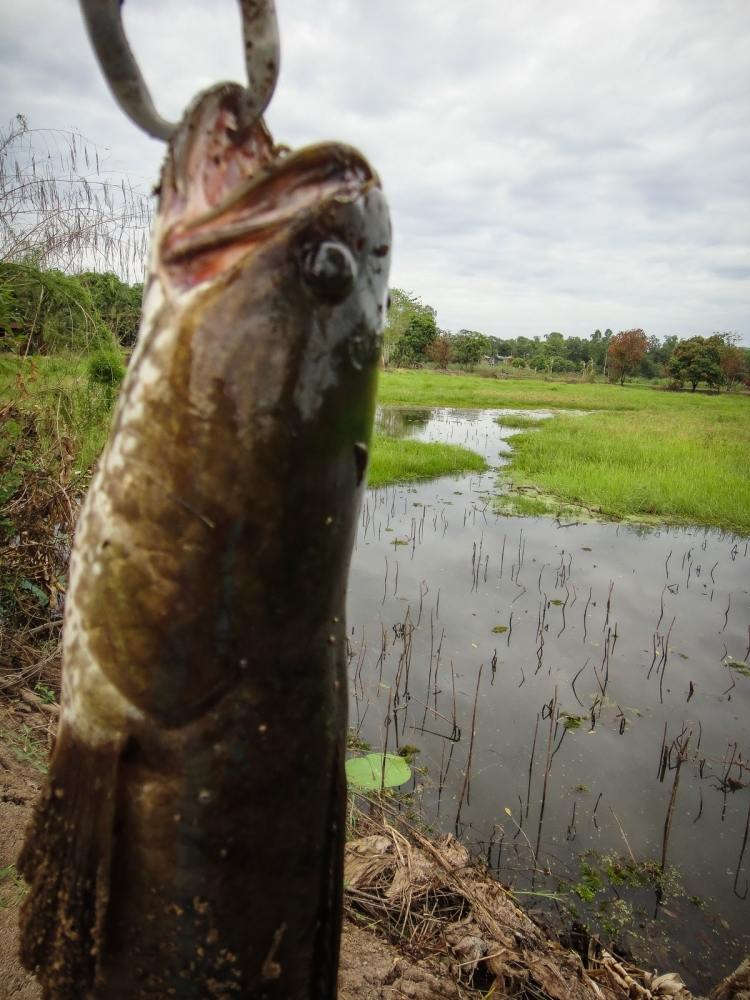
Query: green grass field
640	453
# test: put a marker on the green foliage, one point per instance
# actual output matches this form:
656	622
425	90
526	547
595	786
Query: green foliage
106	368
48	312
469	347
411	347
402	308
118	304
376	771
697	360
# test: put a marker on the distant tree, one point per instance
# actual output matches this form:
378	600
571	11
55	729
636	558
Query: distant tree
555	343
626	351
410	348
732	358
523	347
440	350
402	308
598	344
697	359
733	362
469	346
577	349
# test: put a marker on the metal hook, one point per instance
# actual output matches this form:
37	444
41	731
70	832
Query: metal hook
261	43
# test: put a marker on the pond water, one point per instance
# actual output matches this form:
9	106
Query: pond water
602	667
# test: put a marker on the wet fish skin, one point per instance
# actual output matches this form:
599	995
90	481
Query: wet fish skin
191	834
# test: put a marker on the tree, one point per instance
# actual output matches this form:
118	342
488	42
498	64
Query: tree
402	308
469	346
697	359
440	351
626	351
733	365
409	349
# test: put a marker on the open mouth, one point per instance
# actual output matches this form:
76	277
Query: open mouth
225	189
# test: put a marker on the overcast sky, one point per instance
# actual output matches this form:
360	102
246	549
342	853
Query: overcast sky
549	165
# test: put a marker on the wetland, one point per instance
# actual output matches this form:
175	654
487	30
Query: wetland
572	691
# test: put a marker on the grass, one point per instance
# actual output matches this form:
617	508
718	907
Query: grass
400	460
518	420
645	454
71	411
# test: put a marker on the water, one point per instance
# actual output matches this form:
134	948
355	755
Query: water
631	630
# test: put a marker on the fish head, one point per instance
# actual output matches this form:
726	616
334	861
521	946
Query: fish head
228	496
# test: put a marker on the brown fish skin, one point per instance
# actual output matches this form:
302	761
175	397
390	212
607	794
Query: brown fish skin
190	839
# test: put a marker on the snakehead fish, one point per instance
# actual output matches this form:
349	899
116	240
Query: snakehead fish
190	837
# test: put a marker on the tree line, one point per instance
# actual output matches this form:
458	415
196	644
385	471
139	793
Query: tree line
412	338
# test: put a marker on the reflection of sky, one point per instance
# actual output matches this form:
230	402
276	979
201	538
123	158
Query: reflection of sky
704	569
478	430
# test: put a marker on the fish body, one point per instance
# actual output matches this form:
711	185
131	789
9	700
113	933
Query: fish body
189	841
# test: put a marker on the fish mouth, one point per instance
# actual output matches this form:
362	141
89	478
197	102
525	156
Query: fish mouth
225	187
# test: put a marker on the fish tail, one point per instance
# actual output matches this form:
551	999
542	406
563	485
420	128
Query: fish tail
66	862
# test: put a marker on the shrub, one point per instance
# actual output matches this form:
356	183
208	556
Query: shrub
106	368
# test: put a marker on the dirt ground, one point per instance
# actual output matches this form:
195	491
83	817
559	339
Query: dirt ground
467	938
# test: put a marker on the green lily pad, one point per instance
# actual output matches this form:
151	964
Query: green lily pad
366	774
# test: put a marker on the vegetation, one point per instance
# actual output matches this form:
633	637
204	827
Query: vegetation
626	352
698	360
413	339
400	460
645	454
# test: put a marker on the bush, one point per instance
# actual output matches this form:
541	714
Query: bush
106	368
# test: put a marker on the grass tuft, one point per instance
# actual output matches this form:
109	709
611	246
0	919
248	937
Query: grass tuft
400	460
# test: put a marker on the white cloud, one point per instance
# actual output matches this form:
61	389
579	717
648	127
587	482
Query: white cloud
549	166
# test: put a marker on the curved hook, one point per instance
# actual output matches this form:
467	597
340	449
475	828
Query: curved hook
104	25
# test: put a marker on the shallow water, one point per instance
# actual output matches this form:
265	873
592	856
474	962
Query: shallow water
627	628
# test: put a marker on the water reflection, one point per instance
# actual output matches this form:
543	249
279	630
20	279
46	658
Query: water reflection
608	717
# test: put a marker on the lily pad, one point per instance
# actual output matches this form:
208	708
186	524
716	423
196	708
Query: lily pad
366	774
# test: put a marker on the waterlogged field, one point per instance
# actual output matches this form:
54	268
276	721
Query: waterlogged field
574	693
637	452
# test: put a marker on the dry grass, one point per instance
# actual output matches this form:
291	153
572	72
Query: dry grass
431	898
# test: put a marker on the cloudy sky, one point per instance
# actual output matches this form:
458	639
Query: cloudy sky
550	166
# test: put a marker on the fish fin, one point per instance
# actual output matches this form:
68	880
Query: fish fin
66	860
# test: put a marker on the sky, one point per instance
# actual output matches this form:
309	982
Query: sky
549	166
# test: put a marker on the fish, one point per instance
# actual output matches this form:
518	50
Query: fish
189	838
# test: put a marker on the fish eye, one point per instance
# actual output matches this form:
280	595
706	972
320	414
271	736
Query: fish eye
329	270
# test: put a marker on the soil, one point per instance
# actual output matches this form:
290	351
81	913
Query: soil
458	935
